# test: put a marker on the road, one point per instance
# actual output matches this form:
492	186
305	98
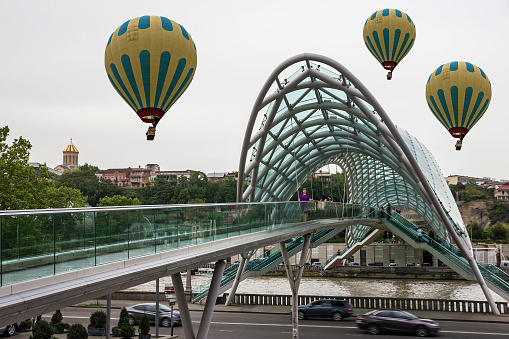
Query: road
230	325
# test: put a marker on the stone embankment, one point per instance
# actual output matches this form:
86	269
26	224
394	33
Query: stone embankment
376	272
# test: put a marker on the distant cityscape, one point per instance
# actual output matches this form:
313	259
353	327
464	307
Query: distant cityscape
137	177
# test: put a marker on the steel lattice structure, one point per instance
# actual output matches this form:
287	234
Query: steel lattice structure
322	114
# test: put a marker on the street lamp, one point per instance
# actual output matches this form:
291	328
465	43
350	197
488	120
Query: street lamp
169	292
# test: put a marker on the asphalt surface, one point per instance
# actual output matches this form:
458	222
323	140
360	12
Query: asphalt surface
274	322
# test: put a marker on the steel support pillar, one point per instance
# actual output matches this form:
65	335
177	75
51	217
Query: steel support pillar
294	280
240	270
189	287
185	316
157	308
206	317
108	316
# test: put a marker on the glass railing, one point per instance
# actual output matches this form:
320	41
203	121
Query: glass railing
41	243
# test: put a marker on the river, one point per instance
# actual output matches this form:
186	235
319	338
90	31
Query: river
358	287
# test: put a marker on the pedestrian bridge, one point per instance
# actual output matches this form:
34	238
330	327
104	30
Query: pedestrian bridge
311	112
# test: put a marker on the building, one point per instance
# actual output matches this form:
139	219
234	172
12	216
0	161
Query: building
502	191
70	159
141	177
36	165
216	176
464	179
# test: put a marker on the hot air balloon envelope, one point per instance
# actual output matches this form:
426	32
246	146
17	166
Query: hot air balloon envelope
458	93
150	61
389	34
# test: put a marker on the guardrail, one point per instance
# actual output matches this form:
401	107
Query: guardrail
467	306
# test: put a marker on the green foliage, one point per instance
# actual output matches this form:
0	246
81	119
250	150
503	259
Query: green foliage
477	231
77	331
321	187
144	326
22	186
98	319
56	321
42	330
499	212
498	231
85	180
126	329
118	200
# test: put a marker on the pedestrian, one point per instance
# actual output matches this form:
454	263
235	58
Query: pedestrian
389	211
431	235
381	212
419	234
304	199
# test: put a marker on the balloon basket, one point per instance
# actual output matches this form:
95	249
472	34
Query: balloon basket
459	143
151	133
389	75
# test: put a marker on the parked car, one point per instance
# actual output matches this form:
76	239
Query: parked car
354	263
396	321
136	312
393	264
410	264
326	308
9	330
317	264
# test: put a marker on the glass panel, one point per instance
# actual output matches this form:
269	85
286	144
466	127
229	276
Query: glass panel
112	235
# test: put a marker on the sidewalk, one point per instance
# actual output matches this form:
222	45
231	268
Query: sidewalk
265	309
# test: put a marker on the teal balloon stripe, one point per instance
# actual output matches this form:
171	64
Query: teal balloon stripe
377	42
121	94
445	108
438	113
164	63
478	102
406	51
182	88
386	42
145	73
176	77
455	99
397	34
372	49
403	44
131	102
466	105
126	63
483	110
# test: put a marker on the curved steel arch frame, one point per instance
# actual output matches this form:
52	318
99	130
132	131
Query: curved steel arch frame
322	114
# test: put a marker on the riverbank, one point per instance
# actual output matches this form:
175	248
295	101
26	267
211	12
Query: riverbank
377	272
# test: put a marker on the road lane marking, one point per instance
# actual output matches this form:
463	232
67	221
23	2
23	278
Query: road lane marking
482	333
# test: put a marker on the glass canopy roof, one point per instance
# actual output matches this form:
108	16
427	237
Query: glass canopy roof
318	117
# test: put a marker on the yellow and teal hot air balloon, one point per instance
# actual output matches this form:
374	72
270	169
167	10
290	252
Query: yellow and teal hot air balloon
150	61
458	93
389	34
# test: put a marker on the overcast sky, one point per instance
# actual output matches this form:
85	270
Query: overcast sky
54	85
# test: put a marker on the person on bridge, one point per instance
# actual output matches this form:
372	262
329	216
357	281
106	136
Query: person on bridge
304	199
389	211
419	234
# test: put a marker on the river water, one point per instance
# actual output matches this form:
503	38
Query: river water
358	287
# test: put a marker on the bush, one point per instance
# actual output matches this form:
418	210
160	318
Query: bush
98	319
126	329
42	330
56	321
144	327
77	331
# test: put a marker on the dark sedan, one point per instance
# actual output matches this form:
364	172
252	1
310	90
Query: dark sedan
136	312
397	321
326	308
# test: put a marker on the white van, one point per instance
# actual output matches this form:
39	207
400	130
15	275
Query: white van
504	264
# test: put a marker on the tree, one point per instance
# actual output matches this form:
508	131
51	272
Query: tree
118	200
22	187
85	180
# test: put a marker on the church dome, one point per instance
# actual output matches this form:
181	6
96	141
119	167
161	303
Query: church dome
71	148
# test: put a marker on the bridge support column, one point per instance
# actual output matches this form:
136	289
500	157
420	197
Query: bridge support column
189	288
206	317
157	308
240	270
295	279
108	316
185	316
